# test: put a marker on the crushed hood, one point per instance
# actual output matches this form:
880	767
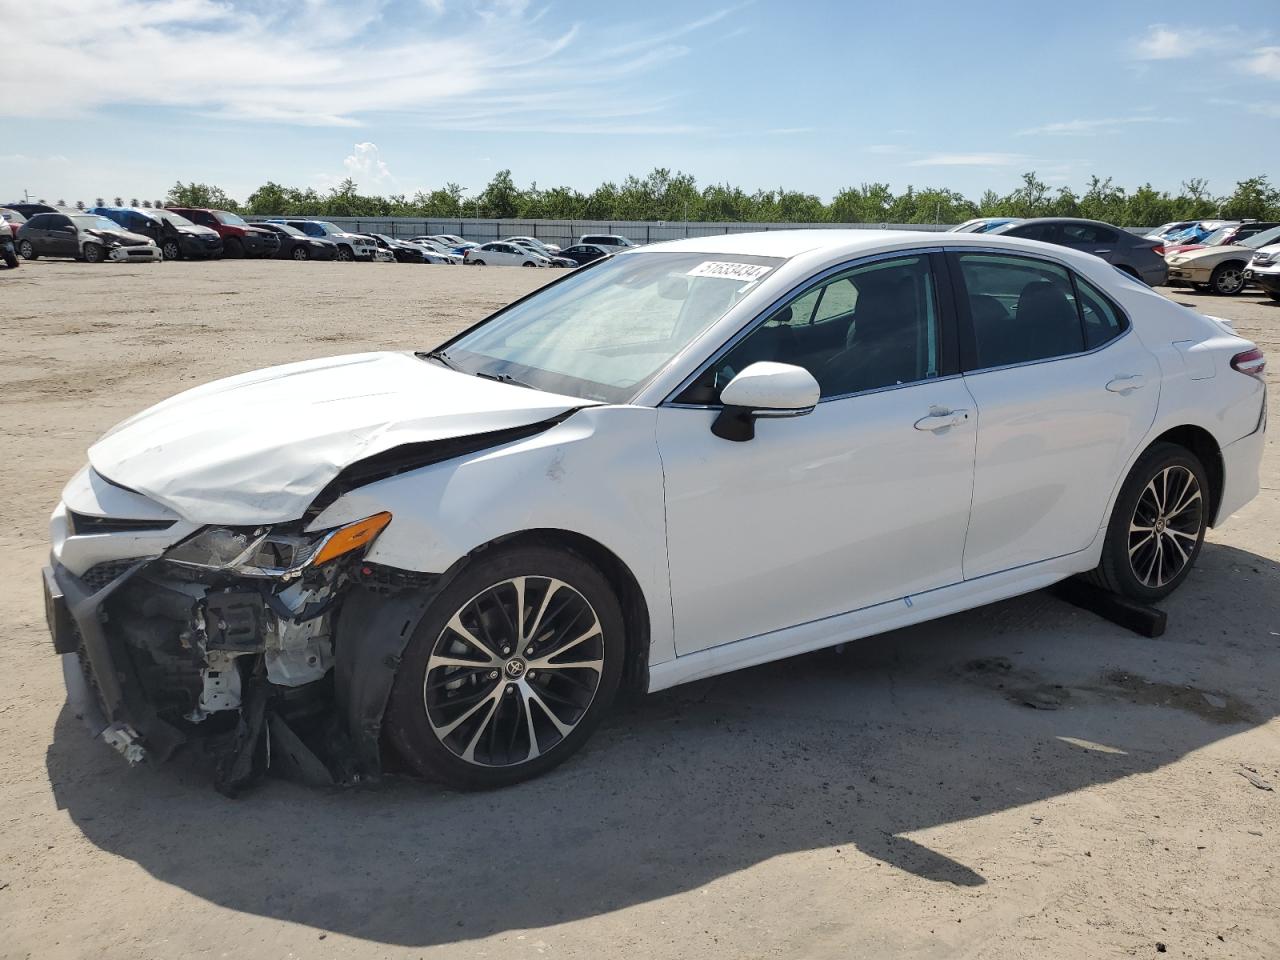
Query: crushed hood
258	447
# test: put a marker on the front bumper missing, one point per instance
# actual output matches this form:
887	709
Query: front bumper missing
322	731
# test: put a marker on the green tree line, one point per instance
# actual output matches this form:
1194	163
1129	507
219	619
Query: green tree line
665	196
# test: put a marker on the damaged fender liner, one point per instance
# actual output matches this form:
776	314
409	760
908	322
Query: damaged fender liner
373	629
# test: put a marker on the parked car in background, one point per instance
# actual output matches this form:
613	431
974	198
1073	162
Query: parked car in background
438	247
700	456
1264	270
239	237
8	248
13	218
399	250
1167	230
1228	235
29	210
296	245
1197	231
1219	268
611	240
554	260
452	243
176	236
584	253
1136	256
504	255
982	224
83	236
351	246
550	249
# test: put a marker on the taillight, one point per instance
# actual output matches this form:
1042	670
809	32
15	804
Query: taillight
1158	250
1251	363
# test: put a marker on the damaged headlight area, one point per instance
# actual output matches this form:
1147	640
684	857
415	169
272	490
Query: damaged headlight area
230	636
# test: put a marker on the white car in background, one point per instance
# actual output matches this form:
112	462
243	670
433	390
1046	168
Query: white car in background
553	260
611	241
688	458
550	249
1264	270
438	248
503	254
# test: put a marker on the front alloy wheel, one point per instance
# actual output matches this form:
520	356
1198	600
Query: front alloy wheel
28	250
509	671
346	254
171	250
300	253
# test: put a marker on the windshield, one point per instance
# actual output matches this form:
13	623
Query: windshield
230	219
283	228
1218	237
329	227
1262	239
602	332
177	219
90	222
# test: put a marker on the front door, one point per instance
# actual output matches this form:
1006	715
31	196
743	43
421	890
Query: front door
1063	399
864	500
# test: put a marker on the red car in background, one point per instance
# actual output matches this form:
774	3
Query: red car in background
239	237
1227	235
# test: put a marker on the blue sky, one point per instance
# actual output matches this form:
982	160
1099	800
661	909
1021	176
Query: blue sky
126	96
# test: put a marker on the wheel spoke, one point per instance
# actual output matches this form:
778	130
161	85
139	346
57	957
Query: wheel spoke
1141	543
1181	553
564	728
443	731
545	662
469	753
553	586
459	630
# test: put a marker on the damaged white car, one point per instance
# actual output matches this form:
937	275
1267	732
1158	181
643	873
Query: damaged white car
676	461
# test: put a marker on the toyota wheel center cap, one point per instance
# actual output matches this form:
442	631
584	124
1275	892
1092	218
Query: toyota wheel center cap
515	669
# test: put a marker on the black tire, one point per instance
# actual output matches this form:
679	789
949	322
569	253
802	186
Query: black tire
171	250
346	254
1182	532
1273	294
10	258
300	252
528	263
1227	278
93	253
28	250
232	248
499	728
477	263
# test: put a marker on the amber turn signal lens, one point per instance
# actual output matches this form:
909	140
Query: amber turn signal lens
351	537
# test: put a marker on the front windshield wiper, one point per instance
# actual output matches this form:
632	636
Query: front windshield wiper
506	378
438	355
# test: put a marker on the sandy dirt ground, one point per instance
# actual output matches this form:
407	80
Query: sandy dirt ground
899	799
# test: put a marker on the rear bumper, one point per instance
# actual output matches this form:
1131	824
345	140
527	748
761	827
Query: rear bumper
1241	463
258	246
1156	275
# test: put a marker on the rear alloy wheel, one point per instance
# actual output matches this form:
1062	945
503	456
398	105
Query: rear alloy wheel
346	254
509	671
93	253
1157	526
528	263
477	263
301	253
28	250
171	250
1227	279
233	249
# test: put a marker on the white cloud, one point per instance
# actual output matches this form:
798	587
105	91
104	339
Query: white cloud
972	160
1165	42
1094	127
367	168
1264	62
491	65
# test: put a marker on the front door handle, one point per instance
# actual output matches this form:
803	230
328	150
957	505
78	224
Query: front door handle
1127	383
941	419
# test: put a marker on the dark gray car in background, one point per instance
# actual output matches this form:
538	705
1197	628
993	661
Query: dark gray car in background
1137	256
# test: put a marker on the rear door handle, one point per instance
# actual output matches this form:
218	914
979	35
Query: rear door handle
1127	383
942	419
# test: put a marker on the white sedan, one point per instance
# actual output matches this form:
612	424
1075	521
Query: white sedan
503	254
681	460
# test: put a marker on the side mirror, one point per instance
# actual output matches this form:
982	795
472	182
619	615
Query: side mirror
764	389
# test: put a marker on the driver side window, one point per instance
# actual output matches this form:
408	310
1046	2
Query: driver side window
867	328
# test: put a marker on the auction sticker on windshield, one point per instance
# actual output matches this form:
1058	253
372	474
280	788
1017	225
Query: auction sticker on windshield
729	271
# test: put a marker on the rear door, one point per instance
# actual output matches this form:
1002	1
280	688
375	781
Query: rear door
1091	238
1064	394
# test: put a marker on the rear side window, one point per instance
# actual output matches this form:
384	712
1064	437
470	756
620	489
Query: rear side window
1045	232
1103	321
1021	310
1087	233
41	221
